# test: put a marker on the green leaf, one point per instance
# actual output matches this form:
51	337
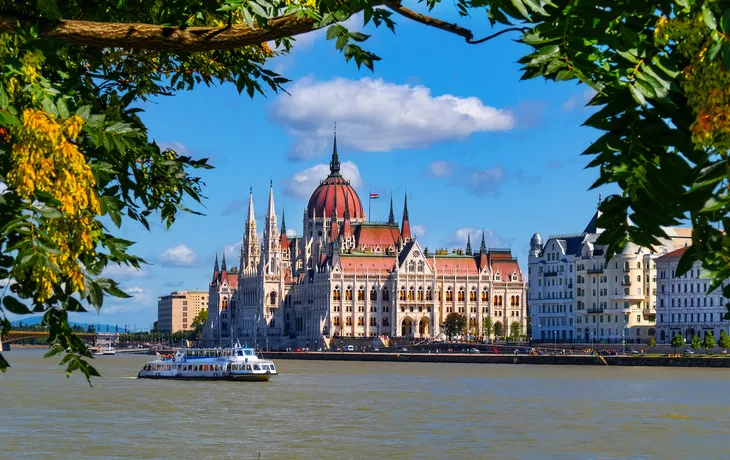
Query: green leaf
62	109
359	37
637	94
48	212
535	6
709	17
4	101
725	21
257	9
715	49
521	8
334	31
13	305
84	112
341	41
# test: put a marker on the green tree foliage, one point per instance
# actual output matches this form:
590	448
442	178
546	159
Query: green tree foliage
651	342
708	342
74	73
724	340
488	326
677	341
696	343
515	330
455	324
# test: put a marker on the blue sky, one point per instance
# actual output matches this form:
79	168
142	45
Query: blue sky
448	122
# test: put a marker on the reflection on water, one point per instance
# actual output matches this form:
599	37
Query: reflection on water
353	410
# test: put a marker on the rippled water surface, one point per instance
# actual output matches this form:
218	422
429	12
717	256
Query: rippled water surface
343	410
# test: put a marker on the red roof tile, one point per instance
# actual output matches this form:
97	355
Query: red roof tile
451	264
676	253
370	264
371	236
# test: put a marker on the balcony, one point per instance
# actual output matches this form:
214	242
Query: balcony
627	297
595	310
627	268
595	271
550	274
626	283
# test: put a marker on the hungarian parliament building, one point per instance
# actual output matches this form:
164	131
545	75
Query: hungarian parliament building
347	278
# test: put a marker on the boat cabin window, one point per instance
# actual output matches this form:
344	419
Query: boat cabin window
249	353
239	353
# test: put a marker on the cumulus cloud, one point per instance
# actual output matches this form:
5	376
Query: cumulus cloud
377	116
459	237
139	295
232	252
579	101
178	256
123	272
418	230
303	183
290	232
476	181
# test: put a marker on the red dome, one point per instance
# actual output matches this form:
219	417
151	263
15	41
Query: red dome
335	189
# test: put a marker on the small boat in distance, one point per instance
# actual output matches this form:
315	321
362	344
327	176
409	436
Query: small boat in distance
237	363
108	351
95	350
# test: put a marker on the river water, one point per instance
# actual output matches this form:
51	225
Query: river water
343	410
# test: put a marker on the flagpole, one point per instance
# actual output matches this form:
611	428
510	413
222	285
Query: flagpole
370	199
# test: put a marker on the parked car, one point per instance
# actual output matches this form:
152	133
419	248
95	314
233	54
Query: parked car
632	352
689	351
349	348
473	350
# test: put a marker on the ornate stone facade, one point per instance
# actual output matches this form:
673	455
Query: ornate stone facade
346	277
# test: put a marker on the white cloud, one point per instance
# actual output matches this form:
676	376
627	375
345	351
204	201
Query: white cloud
290	232
178	256
459	237
233	253
123	272
476	181
579	101
179	147
376	116
440	169
303	183
418	230
139	295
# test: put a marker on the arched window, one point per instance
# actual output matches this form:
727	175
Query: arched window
473	295
517	301
336	321
348	293
386	294
411	266
411	293
360	321
449	294
429	294
361	293
627	280
496	300
485	295
460	297
421	266
420	293
402	294
373	294
638	278
386	322
638	264
348	321
272	298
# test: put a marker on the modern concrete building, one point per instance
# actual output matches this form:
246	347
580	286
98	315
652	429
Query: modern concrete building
576	296
176	311
686	307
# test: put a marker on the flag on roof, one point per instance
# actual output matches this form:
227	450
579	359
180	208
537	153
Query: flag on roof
374	196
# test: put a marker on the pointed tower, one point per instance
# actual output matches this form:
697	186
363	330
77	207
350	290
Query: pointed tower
405	229
284	241
468	244
250	246
223	266
334	227
215	269
391	216
483	247
482	253
271	236
346	226
335	162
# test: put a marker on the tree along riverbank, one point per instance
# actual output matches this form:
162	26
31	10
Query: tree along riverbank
587	360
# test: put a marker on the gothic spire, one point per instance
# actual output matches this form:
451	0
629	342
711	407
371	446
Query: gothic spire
405	229
468	244
215	267
251	215
223	265
271	212
283	224
405	207
347	209
391	216
335	163
483	247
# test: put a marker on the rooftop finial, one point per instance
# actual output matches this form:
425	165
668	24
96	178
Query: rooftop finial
391	217
468	243
335	163
483	247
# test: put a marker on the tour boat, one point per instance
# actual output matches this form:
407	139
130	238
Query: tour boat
237	363
95	350
108	351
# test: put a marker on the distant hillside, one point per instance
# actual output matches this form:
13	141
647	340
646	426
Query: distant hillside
33	320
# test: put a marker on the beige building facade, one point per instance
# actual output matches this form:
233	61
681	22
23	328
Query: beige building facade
176	311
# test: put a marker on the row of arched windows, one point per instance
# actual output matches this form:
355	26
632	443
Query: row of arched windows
337	293
360	321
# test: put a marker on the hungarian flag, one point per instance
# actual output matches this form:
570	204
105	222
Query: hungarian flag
374	196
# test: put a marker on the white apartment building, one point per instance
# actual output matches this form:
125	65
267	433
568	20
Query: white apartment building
575	296
685	305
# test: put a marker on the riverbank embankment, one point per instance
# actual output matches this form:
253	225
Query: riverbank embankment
572	360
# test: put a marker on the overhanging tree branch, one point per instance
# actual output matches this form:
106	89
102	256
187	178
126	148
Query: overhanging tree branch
193	39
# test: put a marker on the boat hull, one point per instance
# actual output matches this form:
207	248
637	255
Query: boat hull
238	378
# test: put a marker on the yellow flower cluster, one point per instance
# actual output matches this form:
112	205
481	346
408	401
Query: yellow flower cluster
705	83
45	159
311	3
267	50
